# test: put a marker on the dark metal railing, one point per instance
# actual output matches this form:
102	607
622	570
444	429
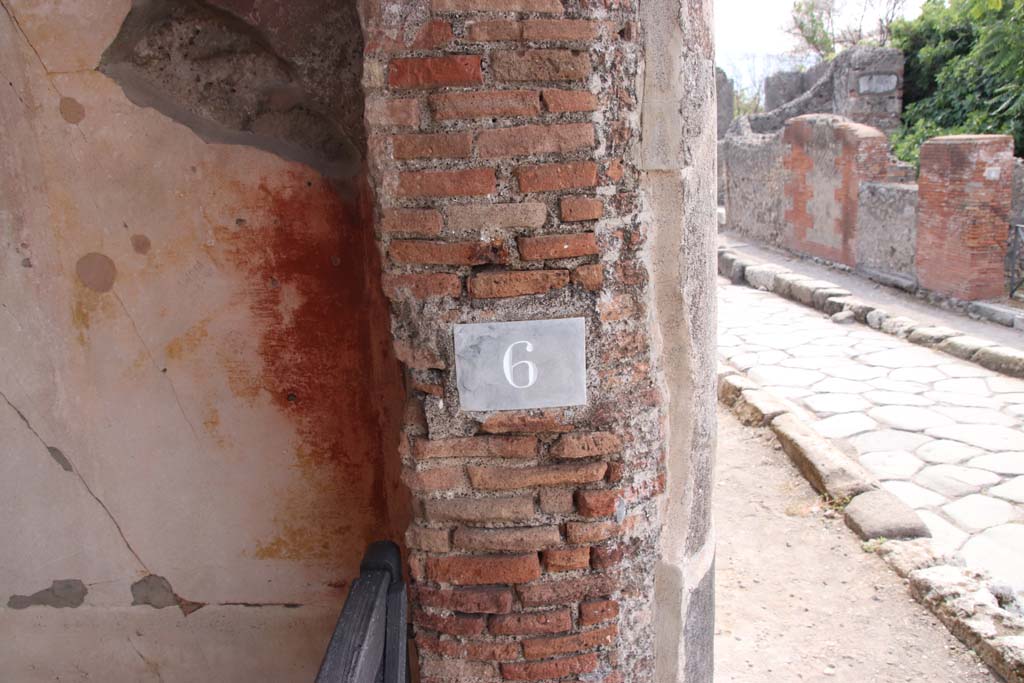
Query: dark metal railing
1016	258
369	642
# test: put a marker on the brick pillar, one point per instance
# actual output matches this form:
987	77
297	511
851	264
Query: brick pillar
826	158
966	186
502	138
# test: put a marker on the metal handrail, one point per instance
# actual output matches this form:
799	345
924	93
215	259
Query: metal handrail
369	642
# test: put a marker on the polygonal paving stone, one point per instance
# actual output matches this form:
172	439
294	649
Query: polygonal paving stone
1001	463
831	385
813	350
1011	490
859	373
897	398
1005	385
844	425
946	538
954	481
961	370
979	416
815	363
989	437
891	464
1017	410
903	358
913	495
836	403
970	385
886	384
918	375
888	440
745	361
1000	552
945	452
791	377
909	418
978	512
963	399
792	393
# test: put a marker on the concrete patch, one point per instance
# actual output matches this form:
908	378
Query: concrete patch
61	593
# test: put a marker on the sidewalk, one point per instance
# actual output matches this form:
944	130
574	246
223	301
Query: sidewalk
798	599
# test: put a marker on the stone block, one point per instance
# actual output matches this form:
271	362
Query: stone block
1001	359
757	407
827	469
880	514
763	276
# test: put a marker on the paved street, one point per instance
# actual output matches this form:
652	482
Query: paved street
943	435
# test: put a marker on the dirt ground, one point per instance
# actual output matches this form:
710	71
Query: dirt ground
798	599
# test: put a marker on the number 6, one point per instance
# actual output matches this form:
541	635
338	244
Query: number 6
509	366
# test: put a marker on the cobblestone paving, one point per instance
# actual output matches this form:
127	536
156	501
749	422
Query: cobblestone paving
943	435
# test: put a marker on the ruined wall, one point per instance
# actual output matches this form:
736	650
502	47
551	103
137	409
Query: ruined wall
966	191
826	159
196	375
886	233
786	86
505	139
1017	204
755	186
725	94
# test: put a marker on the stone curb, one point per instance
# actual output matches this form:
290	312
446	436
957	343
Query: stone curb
962	600
834	300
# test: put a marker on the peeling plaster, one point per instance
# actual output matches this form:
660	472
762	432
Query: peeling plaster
61	593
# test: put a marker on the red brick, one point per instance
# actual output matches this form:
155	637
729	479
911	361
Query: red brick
535	139
420	222
591	532
598	612
507	540
589	277
581	209
429	540
478	650
510	478
560	29
551	247
551	177
487	103
497	285
432	145
455	625
614	170
480	510
417	357
476	217
605	557
540	65
468	182
422	286
491	31
456	671
557	502
434	34
562	101
432	389
538	6
436	479
478	447
591	445
531	623
525	423
403	113
568	590
541	648
615	472
470	600
434	72
552	668
566	559
599	503
424	252
476	570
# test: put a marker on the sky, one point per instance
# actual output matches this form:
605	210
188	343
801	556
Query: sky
751	40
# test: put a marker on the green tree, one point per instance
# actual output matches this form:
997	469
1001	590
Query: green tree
964	71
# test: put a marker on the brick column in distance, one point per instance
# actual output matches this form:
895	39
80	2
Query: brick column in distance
501	136
964	214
